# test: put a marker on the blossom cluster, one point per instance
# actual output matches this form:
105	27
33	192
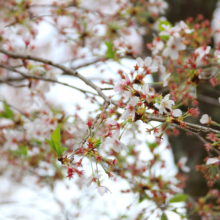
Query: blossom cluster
35	132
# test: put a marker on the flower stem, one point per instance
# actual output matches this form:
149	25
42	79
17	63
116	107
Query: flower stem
97	127
91	165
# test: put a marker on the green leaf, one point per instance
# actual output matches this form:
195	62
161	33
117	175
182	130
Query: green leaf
143	196
63	149
152	145
55	137
8	113
97	142
178	198
110	53
55	142
51	144
163	217
161	28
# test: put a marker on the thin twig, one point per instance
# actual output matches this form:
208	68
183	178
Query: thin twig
191	127
67	70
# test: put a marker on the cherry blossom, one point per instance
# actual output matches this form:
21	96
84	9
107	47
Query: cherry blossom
170	31
158	61
147	64
182	164
212	161
173	46
130	108
114	123
165	82
166	104
201	52
185	27
115	143
205	119
176	112
95	139
93	179
157	6
156	46
145	90
122	85
102	190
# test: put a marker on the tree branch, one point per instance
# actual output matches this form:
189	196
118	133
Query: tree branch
25	76
68	71
191	127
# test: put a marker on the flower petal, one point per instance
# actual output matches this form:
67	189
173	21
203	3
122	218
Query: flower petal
177	113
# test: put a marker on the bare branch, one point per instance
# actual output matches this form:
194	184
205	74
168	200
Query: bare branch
191	127
68	71
25	76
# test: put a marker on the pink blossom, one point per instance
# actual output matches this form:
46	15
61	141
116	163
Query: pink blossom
114	123
122	85
115	143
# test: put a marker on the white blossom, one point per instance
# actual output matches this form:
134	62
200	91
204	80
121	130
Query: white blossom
204	119
201	52
145	89
170	31
158	61
115	143
182	164
157	46
173	46
166	103
165	82
147	63
130	108
212	161
92	179
157	6
102	190
176	113
185	27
